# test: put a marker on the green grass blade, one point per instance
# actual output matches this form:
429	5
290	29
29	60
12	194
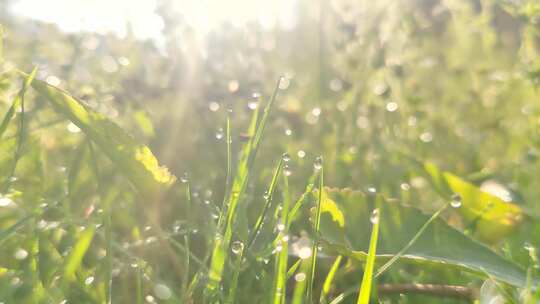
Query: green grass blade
330	279
268	201
300	286
134	160
367	280
315	246
75	257
280	277
225	225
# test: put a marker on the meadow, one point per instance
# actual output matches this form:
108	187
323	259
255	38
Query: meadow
379	152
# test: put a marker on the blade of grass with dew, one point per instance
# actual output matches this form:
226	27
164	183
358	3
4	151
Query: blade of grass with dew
411	242
330	279
226	218
239	252
134	160
367	279
268	201
300	201
223	239
301	282
280	277
315	247
18	102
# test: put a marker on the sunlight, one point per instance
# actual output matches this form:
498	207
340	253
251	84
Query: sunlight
103	16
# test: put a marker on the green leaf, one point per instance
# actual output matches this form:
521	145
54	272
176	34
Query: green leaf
491	217
134	160
439	243
75	257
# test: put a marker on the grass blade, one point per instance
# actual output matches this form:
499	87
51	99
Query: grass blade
315	247
225	224
280	277
367	280
330	279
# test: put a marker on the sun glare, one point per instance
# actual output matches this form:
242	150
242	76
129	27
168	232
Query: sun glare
105	16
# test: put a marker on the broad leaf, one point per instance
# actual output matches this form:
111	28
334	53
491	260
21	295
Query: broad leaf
135	160
490	217
439	243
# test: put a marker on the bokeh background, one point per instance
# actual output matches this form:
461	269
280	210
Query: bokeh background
454	82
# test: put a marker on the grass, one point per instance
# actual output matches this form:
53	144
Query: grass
92	216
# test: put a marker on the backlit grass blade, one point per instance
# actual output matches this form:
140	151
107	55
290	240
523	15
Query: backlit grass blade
282	248
315	247
301	282
18	102
367	280
134	160
75	257
225	225
330	279
268	201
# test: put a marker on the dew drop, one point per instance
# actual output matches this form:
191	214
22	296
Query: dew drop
455	200
286	157
149	299
304	252
316	111
280	226
20	254
288	132
213	106
284	82
299	277
252	105
5	201
71	127
374	218
287	170
184	178
391	106
162	291
220	133
89	280
301	153
318	164
237	247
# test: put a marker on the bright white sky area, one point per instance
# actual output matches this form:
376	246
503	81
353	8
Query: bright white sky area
104	16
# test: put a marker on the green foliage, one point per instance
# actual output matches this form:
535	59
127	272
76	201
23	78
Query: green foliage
89	215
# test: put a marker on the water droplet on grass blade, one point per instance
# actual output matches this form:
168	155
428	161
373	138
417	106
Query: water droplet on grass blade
89	280
286	157
455	200
318	164
220	133
299	277
237	247
375	215
287	171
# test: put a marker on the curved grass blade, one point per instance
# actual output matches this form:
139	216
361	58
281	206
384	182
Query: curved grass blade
135	160
330	279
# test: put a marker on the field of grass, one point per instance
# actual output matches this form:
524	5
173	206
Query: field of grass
381	153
